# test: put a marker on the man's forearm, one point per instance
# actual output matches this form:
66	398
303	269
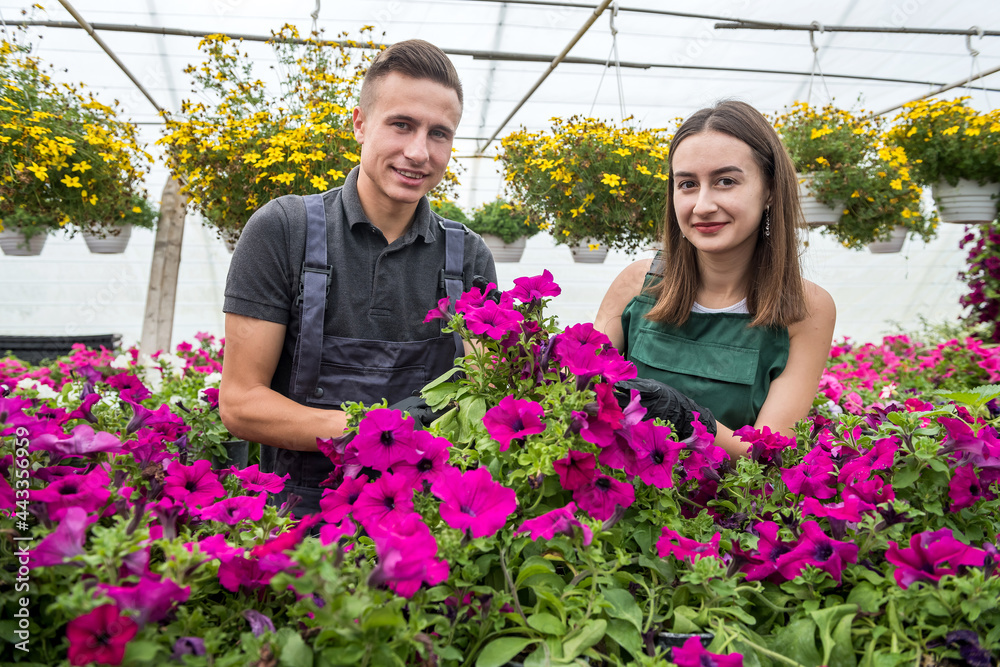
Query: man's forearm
265	416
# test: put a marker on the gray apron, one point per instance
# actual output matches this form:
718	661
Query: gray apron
330	370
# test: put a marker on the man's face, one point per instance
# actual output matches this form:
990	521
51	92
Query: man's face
406	137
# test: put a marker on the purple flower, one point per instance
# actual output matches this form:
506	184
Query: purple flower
964	488
383	503
513	419
194	485
980	448
850	509
440	311
130	388
655	454
161	420
255	480
602	495
152	597
83	441
473	501
880	457
338	503
188	646
764	563
811	479
100	636
765	447
231	511
927	555
493	320
671	542
817	549
407	557
476	297
65	542
259	623
557	522
251	573
87	491
693	654
84	410
576	470
385	437
433	452
535	287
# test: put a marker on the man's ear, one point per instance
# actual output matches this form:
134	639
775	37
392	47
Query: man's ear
358	118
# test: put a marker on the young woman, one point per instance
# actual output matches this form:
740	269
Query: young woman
723	314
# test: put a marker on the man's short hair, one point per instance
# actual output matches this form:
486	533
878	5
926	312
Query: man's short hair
414	58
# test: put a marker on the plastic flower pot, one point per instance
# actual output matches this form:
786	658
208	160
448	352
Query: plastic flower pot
237	454
110	244
967	203
13	243
894	244
815	212
583	254
503	251
671	640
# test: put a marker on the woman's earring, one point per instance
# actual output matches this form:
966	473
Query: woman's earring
767	221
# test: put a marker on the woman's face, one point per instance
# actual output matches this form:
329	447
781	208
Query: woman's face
719	192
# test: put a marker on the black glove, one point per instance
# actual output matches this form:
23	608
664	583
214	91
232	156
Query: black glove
423	415
482	283
663	401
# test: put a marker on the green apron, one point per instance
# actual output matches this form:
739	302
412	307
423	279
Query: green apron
713	358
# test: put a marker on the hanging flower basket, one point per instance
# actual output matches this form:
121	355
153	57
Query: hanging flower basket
815	212
108	244
14	243
967	202
503	251
589	251
892	245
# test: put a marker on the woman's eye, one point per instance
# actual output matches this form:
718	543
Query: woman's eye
726	182
685	185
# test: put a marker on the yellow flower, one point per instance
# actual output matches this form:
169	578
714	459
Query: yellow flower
38	171
319	182
611	179
284	178
624	152
951	130
136	209
81	166
71	181
823	161
896	184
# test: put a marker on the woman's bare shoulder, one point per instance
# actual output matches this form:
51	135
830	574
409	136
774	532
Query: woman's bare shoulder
821	311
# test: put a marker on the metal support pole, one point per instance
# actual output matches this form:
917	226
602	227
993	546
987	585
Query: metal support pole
158	323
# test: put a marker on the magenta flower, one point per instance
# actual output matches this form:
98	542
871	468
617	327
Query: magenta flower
130	388
433	452
87	491
671	542
693	654
964	488
576	470
557	522
769	548
817	549
811	479
585	334
535	287
383	502
473	501
493	320
655	454
100	636
385	437
602	495
288	539
65	542
338	503
84	410
161	420
874	491
256	481
231	511
980	448
929	551
193	485
880	457
152	597
765	447
83	441
476	297
407	557
513	419
440	311
332	532
251	573
850	509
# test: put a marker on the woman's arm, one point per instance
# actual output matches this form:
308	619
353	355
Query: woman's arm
623	289
791	395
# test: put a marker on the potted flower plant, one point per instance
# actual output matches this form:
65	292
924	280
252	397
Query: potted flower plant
593	184
68	161
504	229
852	176
956	150
112	236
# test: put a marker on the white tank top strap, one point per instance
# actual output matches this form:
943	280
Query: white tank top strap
739	307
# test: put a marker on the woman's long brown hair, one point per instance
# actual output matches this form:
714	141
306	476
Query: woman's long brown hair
775	295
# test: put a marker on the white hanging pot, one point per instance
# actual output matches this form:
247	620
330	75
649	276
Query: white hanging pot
110	244
503	251
967	203
815	212
582	253
13	243
894	244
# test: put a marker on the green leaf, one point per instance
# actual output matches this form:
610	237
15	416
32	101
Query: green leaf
905	478
296	653
587	636
866	597
531	567
140	651
626	636
382	617
501	651
623	606
826	621
547	624
798	641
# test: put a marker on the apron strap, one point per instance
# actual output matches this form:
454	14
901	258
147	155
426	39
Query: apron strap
314	288
453	275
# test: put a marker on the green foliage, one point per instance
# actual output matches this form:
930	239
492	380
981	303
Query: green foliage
450	211
502	219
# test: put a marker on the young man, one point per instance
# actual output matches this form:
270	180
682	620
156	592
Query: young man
327	294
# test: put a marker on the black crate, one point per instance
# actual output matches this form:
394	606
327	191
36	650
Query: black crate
35	349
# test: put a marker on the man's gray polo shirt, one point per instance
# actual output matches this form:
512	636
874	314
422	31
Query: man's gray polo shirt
379	291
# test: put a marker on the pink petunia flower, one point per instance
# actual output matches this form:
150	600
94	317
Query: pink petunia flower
528	289
764	562
152	597
251	573
602	495
693	654
338	503
384	438
83	441
256	481
513	419
655	455
433	452
765	446
332	532
817	549
194	485
927	556
288	539
576	470
557	522
383	502
671	542
100	636
407	557
851	508
87	491
231	511
493	321
964	488
473	501
811	479
65	542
